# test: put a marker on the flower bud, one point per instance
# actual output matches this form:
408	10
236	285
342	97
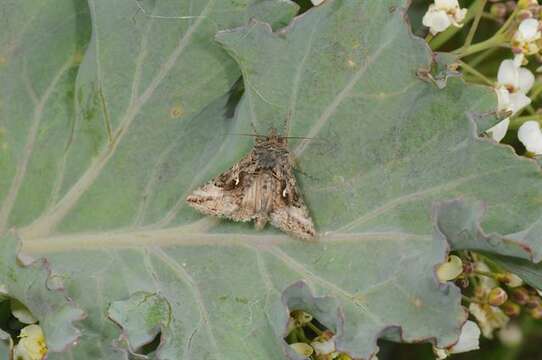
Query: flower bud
511	309
536	312
450	270
301	318
31	344
533	301
498	10
519	295
524	4
511	335
302	349
497	296
511	280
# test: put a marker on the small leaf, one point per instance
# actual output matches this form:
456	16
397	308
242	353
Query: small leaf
29	286
143	317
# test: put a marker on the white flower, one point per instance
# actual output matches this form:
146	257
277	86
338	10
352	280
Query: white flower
31	345
511	335
513	83
324	348
469	340
517	81
317	2
530	135
488	317
442	14
526	36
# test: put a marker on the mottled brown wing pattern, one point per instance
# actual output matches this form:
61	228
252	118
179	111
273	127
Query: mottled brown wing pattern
260	187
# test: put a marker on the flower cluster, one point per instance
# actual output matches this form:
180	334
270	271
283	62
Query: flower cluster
521	32
526	41
309	340
493	298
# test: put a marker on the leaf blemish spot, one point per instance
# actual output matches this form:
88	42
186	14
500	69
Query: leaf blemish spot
176	112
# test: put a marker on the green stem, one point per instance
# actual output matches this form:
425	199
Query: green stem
476	73
508	22
475	23
481	57
501	37
488	16
314	328
536	91
496	41
517	122
530	109
485	273
471	300
301	336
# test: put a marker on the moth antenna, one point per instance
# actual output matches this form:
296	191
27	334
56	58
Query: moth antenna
299	137
142	9
241	134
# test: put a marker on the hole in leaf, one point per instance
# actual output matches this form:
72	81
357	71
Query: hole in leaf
8	321
304	5
147	349
234	96
26	337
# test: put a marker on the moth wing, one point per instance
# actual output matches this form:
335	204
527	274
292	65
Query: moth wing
294	219
211	199
220	197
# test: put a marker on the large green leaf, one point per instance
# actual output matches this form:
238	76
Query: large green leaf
99	186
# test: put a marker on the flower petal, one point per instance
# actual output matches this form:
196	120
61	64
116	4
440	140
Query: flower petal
436	20
518	101
503	98
450	269
469	339
525	80
508	74
519	59
498	131
324	348
447	4
528	29
531	136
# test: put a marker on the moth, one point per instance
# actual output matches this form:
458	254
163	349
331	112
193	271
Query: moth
260	187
